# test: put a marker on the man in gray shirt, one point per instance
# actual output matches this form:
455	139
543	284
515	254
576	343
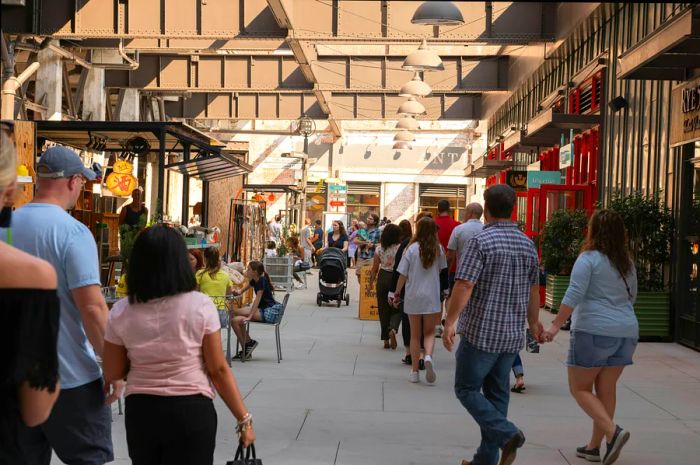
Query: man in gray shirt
463	233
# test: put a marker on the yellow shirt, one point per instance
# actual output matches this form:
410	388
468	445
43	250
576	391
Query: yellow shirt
214	287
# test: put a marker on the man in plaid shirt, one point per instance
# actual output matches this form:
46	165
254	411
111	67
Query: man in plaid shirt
496	289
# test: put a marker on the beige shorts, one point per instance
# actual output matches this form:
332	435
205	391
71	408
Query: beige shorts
362	262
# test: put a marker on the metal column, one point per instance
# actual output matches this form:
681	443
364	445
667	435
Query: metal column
161	175
205	203
185	188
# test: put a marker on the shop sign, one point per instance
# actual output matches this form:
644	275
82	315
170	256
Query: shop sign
337	203
536	178
517	180
338	188
685	113
565	156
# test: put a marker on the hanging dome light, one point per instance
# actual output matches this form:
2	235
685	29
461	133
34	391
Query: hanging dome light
435	13
408	123
402	146
404	136
423	60
415	87
411	107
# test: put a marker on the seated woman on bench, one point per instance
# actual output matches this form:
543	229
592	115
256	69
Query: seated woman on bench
264	308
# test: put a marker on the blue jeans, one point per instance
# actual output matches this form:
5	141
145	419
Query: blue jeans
476	371
518	366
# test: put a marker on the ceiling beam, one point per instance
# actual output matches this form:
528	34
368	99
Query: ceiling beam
305	55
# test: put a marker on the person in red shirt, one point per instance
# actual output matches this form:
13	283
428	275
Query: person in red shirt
446	224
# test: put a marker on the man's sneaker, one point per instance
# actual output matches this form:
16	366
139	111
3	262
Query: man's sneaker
430	375
619	439
414	377
438	331
592	455
238	356
250	347
511	447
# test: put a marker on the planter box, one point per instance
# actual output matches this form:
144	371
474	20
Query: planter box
556	288
654	315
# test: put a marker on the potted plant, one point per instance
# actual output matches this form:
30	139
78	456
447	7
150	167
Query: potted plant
650	231
561	241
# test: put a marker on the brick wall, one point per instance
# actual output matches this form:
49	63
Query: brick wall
399	201
220	195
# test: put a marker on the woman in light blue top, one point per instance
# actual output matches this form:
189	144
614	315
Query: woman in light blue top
604	329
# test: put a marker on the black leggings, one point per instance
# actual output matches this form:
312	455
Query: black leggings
170	430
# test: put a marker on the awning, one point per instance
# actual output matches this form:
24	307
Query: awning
482	167
669	53
115	134
273	188
549	119
522	141
212	167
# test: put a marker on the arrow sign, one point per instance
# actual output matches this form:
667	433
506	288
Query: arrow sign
337	203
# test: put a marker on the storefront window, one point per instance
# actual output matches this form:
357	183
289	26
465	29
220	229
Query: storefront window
360	205
431	194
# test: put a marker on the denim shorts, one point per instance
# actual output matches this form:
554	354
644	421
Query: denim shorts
592	351
272	313
224	318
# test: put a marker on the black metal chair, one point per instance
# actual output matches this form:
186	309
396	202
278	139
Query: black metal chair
276	325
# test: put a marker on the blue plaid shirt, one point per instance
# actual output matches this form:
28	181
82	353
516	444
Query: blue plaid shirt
502	263
372	236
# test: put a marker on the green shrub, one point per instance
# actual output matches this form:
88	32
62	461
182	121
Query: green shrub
561	240
649	231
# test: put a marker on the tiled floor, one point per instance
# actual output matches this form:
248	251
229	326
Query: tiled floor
339	398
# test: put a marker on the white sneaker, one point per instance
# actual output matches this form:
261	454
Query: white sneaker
414	377
430	375
298	286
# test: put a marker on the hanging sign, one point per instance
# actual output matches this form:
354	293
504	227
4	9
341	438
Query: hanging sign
517	179
536	178
338	188
120	181
565	155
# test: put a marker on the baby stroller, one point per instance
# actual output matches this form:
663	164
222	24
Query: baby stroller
332	277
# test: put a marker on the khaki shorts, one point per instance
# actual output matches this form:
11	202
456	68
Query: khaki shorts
362	262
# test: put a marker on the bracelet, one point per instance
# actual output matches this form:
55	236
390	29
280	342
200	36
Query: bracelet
244	423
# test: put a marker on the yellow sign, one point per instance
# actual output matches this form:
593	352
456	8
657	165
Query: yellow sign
368	308
120	181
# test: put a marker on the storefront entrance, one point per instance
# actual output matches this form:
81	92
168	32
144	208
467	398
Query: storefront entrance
431	194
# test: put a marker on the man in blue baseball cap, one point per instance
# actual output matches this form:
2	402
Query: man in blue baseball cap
79	427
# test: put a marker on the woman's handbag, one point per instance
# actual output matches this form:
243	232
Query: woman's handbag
249	459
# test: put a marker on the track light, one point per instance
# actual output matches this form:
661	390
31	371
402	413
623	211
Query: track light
402	146
404	136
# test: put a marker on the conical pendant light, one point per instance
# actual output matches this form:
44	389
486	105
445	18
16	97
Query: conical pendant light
402	146
404	136
436	13
408	123
415	87
423	59
411	107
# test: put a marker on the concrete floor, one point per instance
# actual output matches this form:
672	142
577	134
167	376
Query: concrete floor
339	398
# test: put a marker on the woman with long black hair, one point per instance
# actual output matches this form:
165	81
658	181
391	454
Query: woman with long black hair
383	266
165	338
604	329
420	271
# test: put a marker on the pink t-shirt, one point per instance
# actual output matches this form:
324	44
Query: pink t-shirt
163	340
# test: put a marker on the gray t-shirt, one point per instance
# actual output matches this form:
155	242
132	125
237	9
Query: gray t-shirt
422	294
460	237
306	234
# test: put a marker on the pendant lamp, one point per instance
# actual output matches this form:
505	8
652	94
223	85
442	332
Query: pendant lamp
415	87
423	60
408	123
402	146
411	107
404	136
436	13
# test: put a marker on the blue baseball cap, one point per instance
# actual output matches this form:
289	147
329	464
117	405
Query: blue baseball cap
62	162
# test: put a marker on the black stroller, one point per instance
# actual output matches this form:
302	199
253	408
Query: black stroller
332	277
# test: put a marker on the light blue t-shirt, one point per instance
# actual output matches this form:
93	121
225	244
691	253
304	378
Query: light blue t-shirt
48	232
602	304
